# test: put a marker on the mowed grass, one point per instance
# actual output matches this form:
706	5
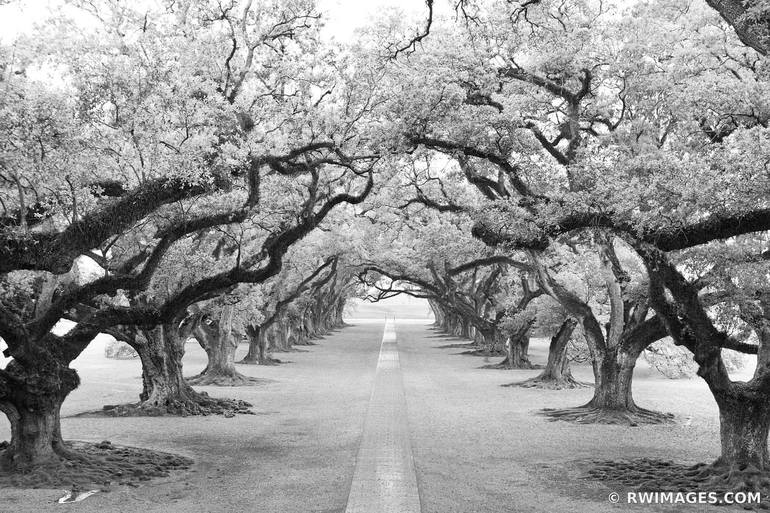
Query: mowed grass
478	447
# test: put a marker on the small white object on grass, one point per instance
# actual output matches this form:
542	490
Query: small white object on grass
70	497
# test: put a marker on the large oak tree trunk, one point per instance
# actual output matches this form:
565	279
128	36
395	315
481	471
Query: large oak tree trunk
257	354
613	374
303	331
311	325
744	424
516	347
613	402
164	389
293	333
35	435
36	455
254	333
162	379
339	313
517	350
320	319
217	340
280	335
466	330
614	350
493	342
557	374
744	408
32	399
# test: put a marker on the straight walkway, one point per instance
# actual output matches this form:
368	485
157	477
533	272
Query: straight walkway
384	480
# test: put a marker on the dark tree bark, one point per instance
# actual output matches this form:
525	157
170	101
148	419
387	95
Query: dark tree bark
32	406
162	379
517	345
744	407
557	374
614	356
281	334
339	313
164	389
258	334
257	354
614	372
302	329
312	328
517	348
744	424
465	329
613	401
216	338
752	30
37	380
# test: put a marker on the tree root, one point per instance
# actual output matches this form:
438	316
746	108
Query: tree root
526	365
82	465
233	379
190	405
549	383
466	345
484	352
264	361
647	474
593	415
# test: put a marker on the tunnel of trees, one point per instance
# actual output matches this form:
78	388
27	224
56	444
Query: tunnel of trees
230	174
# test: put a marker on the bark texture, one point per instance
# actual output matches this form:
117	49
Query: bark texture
557	374
217	339
32	398
164	389
614	349
258	341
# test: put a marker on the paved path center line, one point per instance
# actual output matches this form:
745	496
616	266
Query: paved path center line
384	479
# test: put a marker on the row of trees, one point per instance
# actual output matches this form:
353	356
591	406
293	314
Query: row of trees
185	151
295	307
625	144
597	168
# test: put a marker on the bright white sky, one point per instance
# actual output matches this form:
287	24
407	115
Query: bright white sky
347	15
344	15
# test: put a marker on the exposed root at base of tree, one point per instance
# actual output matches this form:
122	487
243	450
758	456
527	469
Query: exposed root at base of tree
467	345
233	379
291	350
593	415
647	474
484	352
526	365
201	404
549	383
90	466
263	361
